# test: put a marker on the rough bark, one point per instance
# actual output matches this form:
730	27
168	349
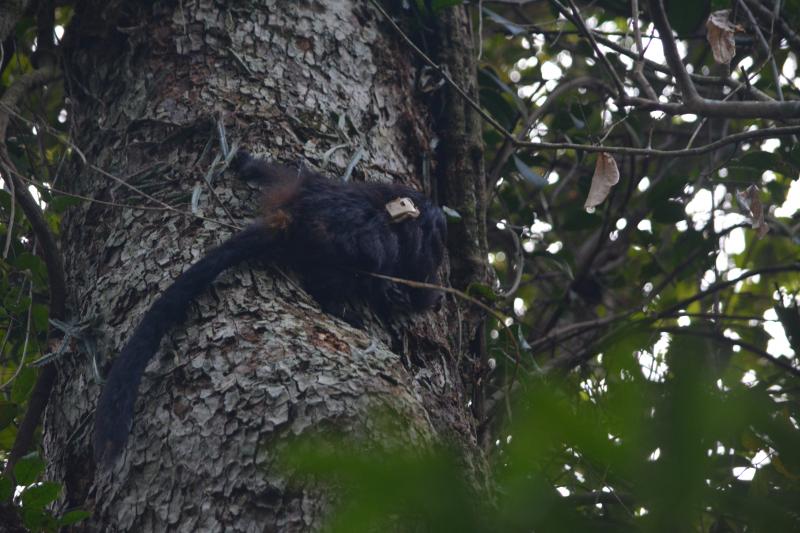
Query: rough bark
462	150
257	361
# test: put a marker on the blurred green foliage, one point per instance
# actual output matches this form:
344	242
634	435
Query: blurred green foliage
23	274
633	454
630	406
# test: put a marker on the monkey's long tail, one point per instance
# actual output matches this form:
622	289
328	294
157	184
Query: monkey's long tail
114	414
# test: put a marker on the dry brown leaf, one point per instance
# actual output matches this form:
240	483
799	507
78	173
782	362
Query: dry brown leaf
606	175
751	200
719	33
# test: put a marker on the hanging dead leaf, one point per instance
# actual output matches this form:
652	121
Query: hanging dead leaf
606	175
719	32
750	199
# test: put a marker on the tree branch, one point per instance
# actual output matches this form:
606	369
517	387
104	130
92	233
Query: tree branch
718	337
50	253
659	18
581	24
795	267
693	102
654	152
509	145
12	11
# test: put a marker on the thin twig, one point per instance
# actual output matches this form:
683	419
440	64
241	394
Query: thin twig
25	342
762	41
37	400
91	200
460	294
12	216
578	20
162	207
638	67
519	265
467	98
795	267
685	84
654	152
785	364
122	182
510	145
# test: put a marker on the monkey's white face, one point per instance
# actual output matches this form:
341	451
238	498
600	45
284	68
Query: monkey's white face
401	209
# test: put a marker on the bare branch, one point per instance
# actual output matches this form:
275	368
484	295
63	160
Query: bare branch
780	362
18	89
653	152
509	145
475	105
794	267
12	11
578	20
693	102
638	68
671	51
762	12
50	252
765	49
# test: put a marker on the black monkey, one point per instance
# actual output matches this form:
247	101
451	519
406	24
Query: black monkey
330	232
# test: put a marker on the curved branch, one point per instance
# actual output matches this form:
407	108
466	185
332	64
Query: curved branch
12	11
581	24
795	267
659	18
693	102
50	253
780	362
654	152
511	144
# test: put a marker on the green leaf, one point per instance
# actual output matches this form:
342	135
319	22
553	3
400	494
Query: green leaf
28	469
498	107
23	384
441	4
59	204
451	214
621	344
28	261
761	160
73	517
34	519
669	213
482	290
40	495
790	319
511	27
39	314
752	165
487	77
526	172
7	437
686	17
578	219
6	488
8	410
666	188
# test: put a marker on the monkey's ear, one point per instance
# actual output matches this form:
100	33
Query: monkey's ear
401	209
260	172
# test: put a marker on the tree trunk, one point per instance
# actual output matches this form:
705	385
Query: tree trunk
257	361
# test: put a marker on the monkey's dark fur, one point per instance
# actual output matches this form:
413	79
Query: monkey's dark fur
330	232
